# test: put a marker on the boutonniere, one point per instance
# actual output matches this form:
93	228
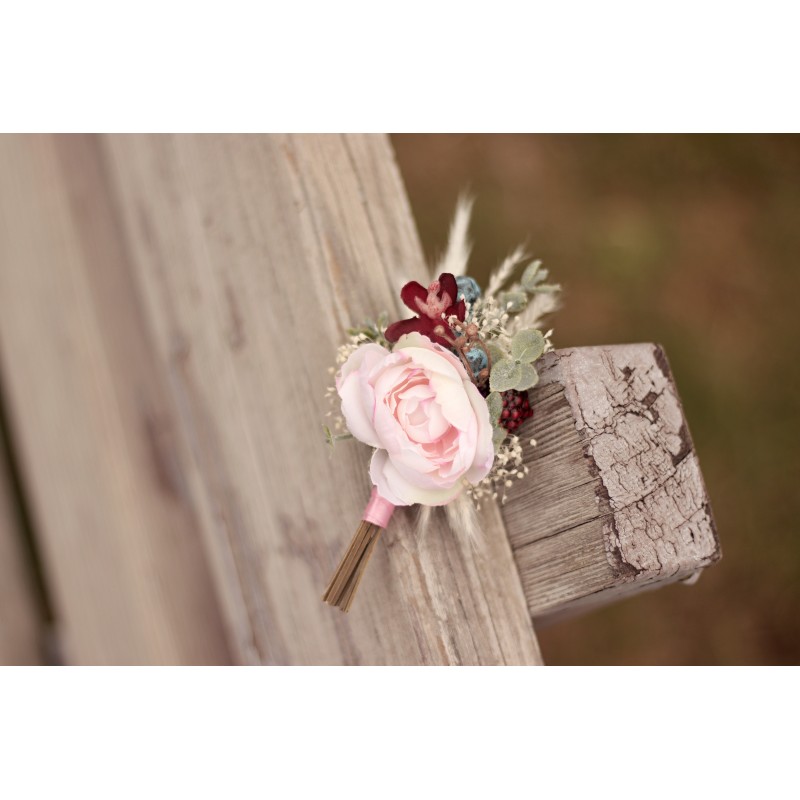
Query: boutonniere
441	396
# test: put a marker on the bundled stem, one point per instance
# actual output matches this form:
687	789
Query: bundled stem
344	583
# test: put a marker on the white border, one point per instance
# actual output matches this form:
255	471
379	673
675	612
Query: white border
311	66
397	732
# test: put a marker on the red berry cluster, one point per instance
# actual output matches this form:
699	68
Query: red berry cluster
516	409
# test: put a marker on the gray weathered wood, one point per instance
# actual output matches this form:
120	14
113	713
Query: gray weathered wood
20	624
94	419
168	310
614	502
253	254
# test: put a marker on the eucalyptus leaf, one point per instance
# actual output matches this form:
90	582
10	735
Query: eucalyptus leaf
527	346
532	276
505	375
513	302
495	403
498	435
528	379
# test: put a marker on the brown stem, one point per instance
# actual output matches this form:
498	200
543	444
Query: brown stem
345	581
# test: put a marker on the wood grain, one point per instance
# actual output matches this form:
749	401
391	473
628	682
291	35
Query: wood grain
94	419
20	624
254	254
169	307
614	502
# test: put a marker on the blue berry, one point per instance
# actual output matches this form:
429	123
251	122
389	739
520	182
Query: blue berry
468	288
477	360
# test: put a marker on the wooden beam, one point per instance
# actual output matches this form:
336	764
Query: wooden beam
253	255
614	502
94	420
168	310
168	306
20	623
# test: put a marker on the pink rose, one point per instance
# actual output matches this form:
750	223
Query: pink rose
427	419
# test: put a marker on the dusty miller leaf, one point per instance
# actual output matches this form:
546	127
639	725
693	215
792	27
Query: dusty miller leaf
547	287
495	403
529	377
527	346
532	276
505	375
513	302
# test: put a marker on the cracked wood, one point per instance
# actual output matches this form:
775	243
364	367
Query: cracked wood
615	501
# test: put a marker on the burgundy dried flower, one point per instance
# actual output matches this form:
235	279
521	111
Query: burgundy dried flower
435	305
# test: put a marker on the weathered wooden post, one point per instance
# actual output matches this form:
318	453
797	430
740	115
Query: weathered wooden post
168	309
614	502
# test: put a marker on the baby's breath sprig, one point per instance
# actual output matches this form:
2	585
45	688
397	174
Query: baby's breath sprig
507	468
335	429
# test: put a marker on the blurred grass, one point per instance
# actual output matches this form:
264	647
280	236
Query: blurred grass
693	242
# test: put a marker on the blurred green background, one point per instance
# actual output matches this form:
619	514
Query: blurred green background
693	242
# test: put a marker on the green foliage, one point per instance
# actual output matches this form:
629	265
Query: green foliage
529	379
331	438
495	351
495	403
516	371
505	375
533	275
527	346
513	302
372	330
498	435
548	287
533	279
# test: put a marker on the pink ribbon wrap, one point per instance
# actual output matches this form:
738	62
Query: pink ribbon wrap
378	510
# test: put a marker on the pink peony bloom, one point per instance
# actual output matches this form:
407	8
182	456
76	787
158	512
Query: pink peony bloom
427	419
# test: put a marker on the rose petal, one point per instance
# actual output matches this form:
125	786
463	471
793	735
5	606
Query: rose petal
453	401
484	449
402	492
357	397
368	355
431	356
